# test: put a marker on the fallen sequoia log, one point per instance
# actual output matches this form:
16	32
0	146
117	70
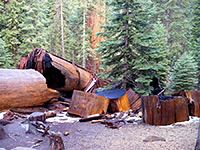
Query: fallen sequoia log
60	74
164	112
23	88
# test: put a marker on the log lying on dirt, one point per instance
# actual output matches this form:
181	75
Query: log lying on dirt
159	112
118	100
84	104
134	100
59	73
23	88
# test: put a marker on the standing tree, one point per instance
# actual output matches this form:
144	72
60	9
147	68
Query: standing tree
196	37
127	48
184	74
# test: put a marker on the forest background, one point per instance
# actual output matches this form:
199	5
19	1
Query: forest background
135	40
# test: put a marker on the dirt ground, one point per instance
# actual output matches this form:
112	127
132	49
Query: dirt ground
89	136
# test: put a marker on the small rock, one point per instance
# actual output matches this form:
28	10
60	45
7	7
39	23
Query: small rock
23	148
153	139
56	142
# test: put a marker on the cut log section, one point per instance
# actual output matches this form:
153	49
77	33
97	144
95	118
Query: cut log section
23	88
159	112
60	74
134	100
84	104
194	97
118	100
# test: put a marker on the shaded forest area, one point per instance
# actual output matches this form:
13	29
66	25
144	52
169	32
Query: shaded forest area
129	42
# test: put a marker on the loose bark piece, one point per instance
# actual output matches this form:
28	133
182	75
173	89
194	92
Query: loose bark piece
194	97
23	88
56	142
91	118
134	100
159	112
85	104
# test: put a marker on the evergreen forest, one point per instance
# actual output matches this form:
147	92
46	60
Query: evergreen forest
128	42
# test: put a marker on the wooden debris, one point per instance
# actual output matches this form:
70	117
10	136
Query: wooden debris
168	111
37	116
96	117
84	104
50	114
23	88
9	115
134	100
66	133
118	100
56	142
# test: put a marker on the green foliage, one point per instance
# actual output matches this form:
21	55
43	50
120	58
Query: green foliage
184	73
5	56
196	37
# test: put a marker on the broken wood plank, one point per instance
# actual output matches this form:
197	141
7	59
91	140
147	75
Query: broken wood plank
118	100
160	112
23	88
134	100
93	117
84	104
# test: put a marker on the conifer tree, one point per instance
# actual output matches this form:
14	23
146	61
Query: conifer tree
196	36
127	48
184	74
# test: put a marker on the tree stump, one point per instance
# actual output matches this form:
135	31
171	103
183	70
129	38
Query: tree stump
194	97
84	104
164	112
118	100
23	88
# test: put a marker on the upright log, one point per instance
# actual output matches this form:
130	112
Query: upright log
23	88
159	112
118	100
194	97
84	104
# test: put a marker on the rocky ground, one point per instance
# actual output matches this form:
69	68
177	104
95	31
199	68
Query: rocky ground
95	136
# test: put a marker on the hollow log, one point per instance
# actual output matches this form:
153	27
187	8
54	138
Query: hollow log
118	100
159	112
60	74
23	88
194	97
84	104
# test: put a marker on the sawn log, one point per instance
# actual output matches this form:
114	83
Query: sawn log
23	88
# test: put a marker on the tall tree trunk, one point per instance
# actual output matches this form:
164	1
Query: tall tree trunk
83	64
56	21
167	28
126	47
62	32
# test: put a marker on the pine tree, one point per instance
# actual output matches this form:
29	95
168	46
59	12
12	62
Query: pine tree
184	74
5	56
127	48
10	19
196	36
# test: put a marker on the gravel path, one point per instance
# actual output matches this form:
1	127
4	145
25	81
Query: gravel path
88	136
